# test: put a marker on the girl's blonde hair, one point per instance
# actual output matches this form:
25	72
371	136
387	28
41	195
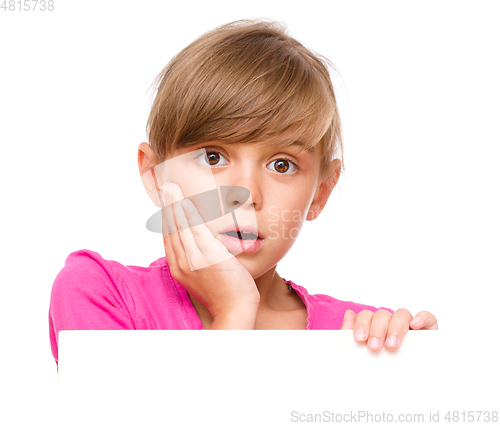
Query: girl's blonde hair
245	82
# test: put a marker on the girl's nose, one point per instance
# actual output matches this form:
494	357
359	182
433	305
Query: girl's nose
245	186
234	197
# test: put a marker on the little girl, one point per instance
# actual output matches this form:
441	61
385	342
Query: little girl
245	121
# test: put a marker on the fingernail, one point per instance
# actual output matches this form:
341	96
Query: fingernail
359	335
416	322
184	204
392	341
167	192
374	343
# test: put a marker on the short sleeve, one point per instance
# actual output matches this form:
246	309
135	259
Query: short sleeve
88	294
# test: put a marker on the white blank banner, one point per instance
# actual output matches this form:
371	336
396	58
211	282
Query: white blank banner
275	378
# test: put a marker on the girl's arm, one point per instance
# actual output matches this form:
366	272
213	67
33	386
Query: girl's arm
239	319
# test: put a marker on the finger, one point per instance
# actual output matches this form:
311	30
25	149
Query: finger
361	327
184	230
424	320
397	329
169	252
210	250
168	222
204	238
169	226
378	329
180	217
200	246
199	231
349	318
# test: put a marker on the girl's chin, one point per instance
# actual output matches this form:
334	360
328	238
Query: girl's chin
256	268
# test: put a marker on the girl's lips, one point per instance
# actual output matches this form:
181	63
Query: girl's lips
243	228
245	246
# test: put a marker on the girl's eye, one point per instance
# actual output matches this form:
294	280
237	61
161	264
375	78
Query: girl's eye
211	158
283	166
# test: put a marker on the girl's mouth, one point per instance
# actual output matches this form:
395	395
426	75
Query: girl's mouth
242	235
247	242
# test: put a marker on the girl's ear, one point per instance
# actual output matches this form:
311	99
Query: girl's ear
146	161
324	190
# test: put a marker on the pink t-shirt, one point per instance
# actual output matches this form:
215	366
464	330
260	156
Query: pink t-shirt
91	293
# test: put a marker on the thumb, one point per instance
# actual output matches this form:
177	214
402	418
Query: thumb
349	318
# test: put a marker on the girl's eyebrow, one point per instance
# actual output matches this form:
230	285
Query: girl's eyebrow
303	146
299	143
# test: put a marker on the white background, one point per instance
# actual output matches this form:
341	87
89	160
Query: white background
412	224
340	376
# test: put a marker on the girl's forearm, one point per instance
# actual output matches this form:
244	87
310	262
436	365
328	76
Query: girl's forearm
238	319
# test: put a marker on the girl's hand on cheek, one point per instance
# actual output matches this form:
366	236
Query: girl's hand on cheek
383	328
204	266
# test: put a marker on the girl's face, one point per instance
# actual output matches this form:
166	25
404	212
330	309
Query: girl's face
284	191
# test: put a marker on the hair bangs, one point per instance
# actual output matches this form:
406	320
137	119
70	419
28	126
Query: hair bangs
274	99
246	82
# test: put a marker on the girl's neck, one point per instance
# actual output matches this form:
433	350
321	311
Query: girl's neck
274	293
